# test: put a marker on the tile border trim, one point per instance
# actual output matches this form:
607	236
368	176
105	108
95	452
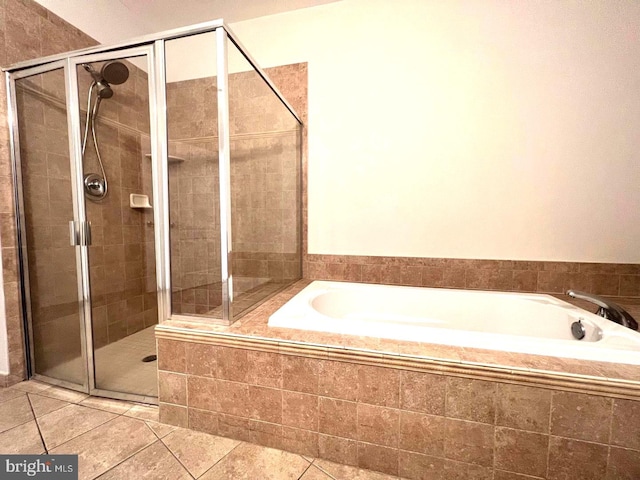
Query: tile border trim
513	375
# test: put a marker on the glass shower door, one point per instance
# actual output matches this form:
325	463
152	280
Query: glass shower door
113	92
46	206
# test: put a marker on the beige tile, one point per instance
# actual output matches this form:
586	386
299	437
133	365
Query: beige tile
338	380
9	393
472	400
265	434
469	442
338	418
253	461
265	404
233	398
201	359
107	404
623	464
233	427
173	415
420	467
302	442
265	369
70	396
232	364
31	386
172	355
422	433
143	412
521	452
378	425
300	374
23	439
198	451
465	471
626	424
346	472
525	408
154	463
15	412
380	459
300	410
172	388
201	392
314	473
160	429
203	421
43	405
580	416
423	392
68	422
502	475
378	386
104	447
338	449
575	459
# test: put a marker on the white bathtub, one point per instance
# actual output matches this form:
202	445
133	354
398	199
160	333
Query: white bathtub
514	322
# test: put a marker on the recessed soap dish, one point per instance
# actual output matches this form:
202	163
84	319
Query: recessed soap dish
170	158
139	201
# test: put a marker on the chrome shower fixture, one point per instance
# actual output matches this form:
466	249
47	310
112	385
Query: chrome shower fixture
116	73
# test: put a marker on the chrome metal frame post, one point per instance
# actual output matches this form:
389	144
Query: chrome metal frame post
224	165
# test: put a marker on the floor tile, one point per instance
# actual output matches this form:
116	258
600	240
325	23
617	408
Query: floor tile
70	396
62	425
253	461
10	393
23	439
160	429
143	412
107	445
107	404
15	412
314	473
344	472
154	463
43	405
31	386
196	450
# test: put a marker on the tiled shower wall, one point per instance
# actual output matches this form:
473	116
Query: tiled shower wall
27	31
265	187
416	425
608	279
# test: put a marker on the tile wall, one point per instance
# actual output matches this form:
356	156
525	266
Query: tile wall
265	185
412	424
508	275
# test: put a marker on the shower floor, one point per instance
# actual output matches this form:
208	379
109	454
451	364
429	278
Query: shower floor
119	365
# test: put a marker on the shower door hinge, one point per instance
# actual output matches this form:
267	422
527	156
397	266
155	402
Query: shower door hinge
79	233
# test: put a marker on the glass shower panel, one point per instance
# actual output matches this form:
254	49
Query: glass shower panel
194	192
48	208
265	187
121	254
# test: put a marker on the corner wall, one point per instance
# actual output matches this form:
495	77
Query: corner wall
486	130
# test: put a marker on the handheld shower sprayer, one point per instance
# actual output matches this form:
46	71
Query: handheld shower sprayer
115	73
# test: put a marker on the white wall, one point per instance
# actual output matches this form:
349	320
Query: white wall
494	129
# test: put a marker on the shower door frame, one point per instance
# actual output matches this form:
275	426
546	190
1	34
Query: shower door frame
80	225
155	45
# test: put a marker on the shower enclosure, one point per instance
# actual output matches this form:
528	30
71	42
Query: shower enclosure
157	178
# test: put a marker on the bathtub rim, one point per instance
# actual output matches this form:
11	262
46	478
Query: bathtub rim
251	333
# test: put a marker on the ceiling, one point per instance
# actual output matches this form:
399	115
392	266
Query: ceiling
110	21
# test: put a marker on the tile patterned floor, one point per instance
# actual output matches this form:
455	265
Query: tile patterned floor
118	440
119	365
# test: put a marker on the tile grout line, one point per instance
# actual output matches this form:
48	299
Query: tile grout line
35	419
171	452
225	456
305	470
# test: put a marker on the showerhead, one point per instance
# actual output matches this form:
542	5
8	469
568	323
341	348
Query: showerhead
115	72
104	89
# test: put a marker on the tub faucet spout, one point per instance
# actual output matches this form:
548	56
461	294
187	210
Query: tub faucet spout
607	309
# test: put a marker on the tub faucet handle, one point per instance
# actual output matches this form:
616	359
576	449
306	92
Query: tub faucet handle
607	309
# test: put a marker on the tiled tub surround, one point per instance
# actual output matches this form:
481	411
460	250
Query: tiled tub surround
415	410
